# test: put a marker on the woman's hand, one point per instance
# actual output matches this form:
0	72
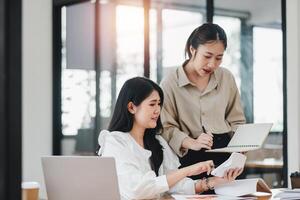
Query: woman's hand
205	184
175	176
205	140
229	176
200	168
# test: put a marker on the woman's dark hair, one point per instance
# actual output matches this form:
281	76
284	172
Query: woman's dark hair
136	90
205	33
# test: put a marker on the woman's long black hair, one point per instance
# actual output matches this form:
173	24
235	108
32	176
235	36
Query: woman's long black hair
136	90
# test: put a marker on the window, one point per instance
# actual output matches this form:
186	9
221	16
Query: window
267	74
175	34
232	56
253	55
78	70
130	39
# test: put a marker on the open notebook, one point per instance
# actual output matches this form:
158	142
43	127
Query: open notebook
243	187
247	137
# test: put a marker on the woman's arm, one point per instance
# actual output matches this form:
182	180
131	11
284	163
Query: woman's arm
171	128
198	168
205	140
135	181
234	111
210	183
170	167
178	140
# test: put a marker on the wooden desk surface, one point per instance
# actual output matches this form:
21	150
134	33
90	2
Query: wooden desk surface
260	196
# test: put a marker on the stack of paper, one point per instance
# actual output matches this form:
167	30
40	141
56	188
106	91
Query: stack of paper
243	187
209	197
290	194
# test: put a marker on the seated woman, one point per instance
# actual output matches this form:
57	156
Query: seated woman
146	166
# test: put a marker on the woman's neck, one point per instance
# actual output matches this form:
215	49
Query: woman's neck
137	133
200	81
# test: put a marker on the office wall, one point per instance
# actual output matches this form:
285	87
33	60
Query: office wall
37	87
293	84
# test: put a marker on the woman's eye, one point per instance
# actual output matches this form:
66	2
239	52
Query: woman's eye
152	104
207	57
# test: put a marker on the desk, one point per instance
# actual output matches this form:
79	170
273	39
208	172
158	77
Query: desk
259	196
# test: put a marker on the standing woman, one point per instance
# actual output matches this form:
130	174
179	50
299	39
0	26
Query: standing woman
201	96
146	166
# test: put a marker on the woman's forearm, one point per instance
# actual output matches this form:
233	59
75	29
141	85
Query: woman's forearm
188	143
198	168
177	175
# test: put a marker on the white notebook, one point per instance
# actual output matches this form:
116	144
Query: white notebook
247	137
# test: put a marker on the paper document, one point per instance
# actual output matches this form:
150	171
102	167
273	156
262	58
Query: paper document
243	187
247	137
288	194
209	197
236	160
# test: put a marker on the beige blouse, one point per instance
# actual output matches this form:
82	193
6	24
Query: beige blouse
218	108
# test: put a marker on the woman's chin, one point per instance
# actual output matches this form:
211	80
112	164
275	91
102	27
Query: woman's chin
152	125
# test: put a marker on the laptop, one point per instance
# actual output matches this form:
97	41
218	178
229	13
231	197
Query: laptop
248	137
80	177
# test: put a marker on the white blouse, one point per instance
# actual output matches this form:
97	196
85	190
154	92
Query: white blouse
136	178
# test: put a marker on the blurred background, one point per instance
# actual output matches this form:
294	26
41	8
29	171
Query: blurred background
104	43
63	63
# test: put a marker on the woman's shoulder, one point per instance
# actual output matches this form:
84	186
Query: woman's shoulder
116	137
162	141
170	80
112	142
170	158
224	73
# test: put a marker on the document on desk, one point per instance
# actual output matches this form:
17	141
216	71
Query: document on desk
243	187
236	160
247	137
209	197
291	194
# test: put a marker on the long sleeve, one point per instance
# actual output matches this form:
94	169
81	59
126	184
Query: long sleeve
170	163
234	111
136	179
172	133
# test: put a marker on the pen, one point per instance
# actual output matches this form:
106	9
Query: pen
204	131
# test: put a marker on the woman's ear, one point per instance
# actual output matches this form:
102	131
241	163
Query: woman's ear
193	51
131	107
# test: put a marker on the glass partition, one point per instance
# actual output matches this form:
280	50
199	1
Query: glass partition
254	56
